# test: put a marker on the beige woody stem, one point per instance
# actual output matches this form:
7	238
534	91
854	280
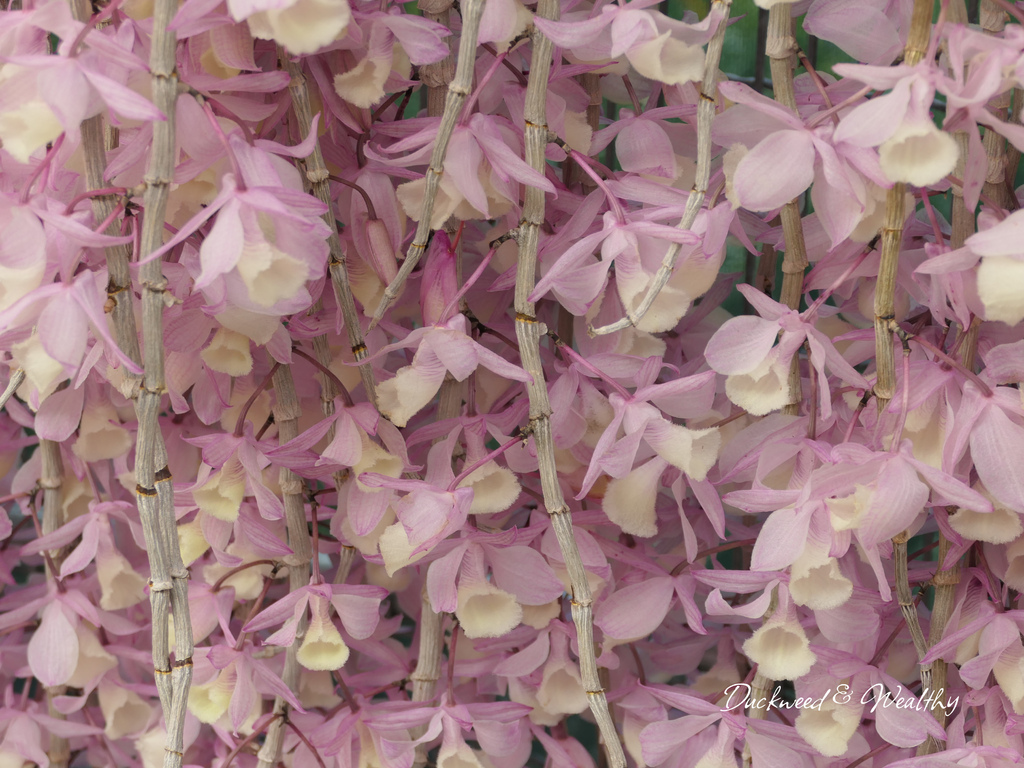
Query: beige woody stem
892	235
317	178
458	90
528	331
694	203
155	494
781	49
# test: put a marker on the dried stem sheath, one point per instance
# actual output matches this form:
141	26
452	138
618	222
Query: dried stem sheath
528	333
317	177
694	203
892	235
155	494
458	90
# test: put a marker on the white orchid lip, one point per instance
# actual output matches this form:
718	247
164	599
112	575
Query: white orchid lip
781	650
486	611
918	153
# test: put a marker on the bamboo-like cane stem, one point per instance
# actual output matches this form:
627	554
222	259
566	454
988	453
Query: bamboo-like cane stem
17	377
288	409
155	494
993	20
781	49
695	201
946	581
438	78
907	605
51	478
428	660
316	174
963	219
119	290
458	90
892	235
270	753
286	415
760	686
1012	153
528	333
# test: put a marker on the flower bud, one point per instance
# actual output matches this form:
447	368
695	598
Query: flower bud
382	252
439	284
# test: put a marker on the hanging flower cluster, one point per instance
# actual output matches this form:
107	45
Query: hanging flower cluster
369	399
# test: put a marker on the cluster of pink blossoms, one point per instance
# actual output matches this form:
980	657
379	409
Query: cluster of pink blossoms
783	551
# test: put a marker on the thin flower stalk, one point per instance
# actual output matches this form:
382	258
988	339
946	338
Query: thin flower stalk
287	411
892	235
528	332
695	201
458	90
